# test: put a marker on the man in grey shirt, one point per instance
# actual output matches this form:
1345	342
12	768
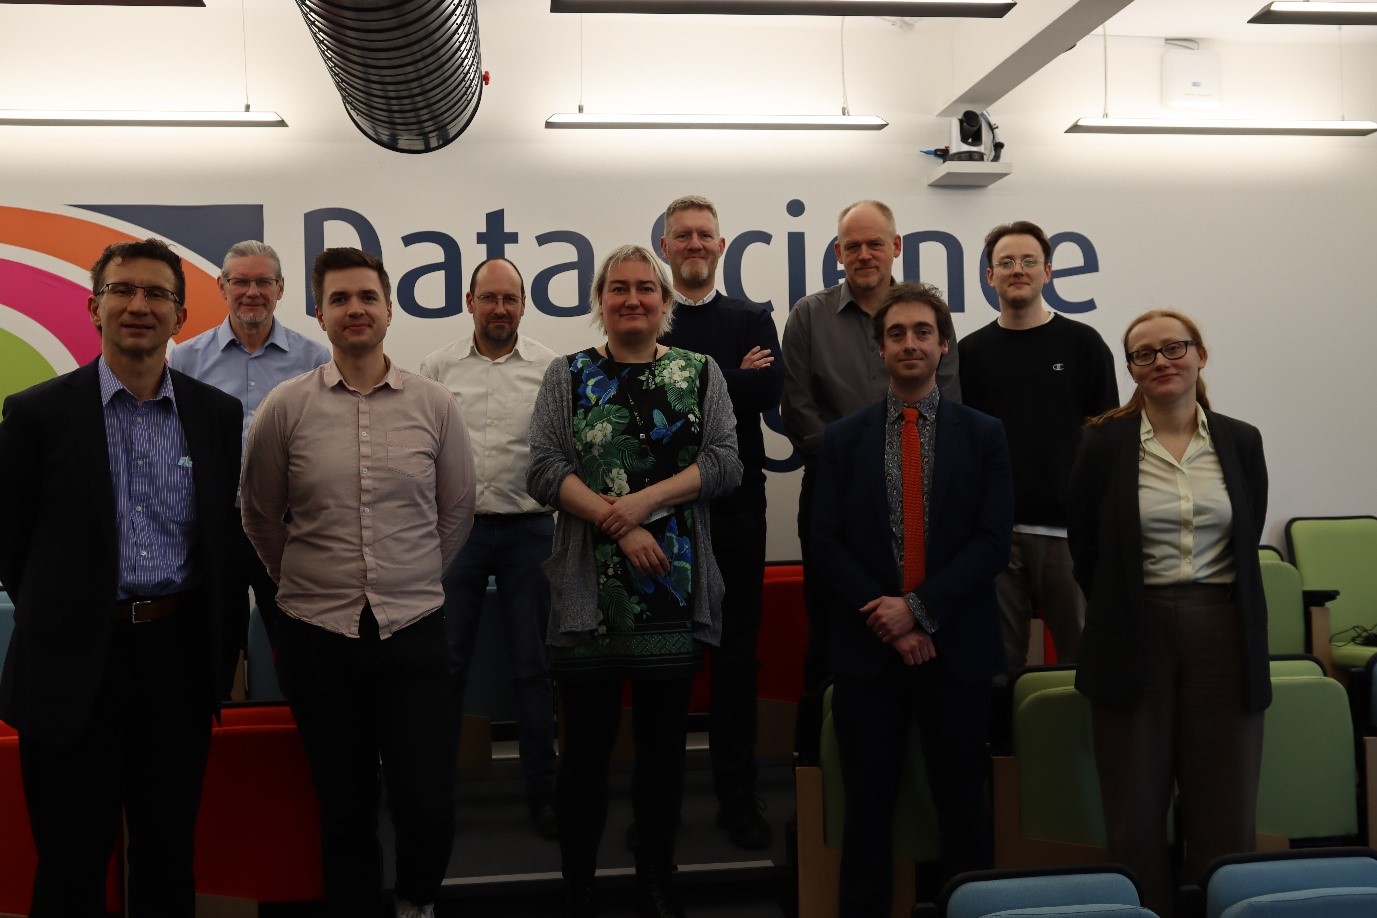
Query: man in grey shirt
832	368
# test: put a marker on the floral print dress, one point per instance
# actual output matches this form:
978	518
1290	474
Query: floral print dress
634	425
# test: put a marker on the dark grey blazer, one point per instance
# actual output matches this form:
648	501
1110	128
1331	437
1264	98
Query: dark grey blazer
1107	548
58	552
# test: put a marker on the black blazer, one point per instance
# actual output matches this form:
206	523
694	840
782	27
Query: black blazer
58	552
971	521
1107	549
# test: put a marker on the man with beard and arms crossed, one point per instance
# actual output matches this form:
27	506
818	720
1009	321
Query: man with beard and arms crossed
1042	374
741	337
495	374
831	369
358	495
911	524
246	356
116	547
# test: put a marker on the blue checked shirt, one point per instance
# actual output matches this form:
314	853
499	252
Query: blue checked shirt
155	498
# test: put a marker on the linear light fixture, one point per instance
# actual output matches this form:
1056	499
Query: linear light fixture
1221	126
973	9
91	118
719	122
1288	12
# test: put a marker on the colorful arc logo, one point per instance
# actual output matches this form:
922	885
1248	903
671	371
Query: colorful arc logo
45	259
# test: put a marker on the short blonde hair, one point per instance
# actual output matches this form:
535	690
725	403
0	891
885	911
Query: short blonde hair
632	253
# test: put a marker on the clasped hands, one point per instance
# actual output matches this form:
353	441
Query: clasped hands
622	521
891	620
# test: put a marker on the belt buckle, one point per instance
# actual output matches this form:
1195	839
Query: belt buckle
134	610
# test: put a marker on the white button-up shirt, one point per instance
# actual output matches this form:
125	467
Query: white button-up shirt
497	398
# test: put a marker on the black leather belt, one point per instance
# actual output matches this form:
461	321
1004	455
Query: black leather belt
138	611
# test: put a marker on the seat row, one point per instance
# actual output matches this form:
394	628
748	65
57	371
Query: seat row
1045	787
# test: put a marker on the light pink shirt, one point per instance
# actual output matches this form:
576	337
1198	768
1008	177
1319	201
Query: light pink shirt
380	489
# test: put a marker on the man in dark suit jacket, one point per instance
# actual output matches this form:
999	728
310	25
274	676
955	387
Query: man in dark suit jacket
119	483
916	635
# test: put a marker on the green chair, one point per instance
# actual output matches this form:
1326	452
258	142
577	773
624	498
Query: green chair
821	803
1047	793
1340	553
1309	781
1297	622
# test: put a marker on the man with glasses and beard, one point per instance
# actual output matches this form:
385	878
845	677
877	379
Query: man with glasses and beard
495	374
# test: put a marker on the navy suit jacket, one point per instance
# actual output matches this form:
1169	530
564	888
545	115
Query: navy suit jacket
970	521
1106	537
59	559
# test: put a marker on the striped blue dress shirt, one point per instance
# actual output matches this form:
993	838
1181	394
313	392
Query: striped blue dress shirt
155	498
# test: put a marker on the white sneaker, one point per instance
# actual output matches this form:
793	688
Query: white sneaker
406	910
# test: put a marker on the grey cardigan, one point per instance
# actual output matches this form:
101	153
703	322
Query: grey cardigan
570	568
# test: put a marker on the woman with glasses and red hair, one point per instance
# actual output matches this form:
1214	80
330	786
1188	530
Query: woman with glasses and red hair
1167	504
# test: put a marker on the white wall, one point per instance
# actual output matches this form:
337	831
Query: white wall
1264	240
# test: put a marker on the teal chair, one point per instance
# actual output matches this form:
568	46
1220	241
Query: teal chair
821	803
1321	882
1105	891
1340	553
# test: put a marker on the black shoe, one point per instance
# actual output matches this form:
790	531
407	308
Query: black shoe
578	899
745	826
543	817
655	894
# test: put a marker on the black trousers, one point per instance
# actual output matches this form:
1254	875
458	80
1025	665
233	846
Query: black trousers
357	700
814	598
871	718
591	713
253	574
738	543
143	751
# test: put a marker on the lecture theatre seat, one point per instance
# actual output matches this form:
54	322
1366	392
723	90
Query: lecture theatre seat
18	858
258	834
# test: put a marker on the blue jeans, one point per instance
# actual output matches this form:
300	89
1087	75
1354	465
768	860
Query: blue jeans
510	548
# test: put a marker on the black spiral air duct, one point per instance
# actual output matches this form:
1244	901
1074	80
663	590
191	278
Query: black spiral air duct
408	71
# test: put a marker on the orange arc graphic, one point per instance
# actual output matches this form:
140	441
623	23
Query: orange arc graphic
80	242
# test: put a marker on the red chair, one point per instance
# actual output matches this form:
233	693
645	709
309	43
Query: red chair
18	857
258	835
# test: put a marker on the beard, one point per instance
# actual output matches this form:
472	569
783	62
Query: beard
694	273
498	336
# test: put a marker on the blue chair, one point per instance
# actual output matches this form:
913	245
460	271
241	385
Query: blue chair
1319	882
1103	890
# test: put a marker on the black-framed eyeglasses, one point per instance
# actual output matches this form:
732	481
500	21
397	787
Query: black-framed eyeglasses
1008	264
122	291
1173	350
510	300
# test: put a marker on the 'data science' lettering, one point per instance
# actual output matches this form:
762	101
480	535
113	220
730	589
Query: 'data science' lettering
560	268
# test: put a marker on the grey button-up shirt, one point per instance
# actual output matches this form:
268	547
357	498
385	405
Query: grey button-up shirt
832	367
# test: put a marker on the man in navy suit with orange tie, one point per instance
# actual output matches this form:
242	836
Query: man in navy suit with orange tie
911	522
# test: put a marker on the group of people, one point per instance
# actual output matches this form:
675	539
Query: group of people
617	497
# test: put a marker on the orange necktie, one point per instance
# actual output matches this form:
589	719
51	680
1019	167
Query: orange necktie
911	464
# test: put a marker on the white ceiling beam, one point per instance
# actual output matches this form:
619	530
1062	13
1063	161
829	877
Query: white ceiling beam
991	58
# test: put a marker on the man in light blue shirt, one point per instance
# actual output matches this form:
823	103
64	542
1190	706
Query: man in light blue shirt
246	356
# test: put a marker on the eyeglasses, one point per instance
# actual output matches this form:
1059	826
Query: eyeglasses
1146	356
242	284
1008	264
510	300
123	291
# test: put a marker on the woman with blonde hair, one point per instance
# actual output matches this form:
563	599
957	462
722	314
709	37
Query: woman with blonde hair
631	440
1167	503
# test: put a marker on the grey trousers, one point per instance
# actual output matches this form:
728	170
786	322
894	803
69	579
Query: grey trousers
1191	732
1039	576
